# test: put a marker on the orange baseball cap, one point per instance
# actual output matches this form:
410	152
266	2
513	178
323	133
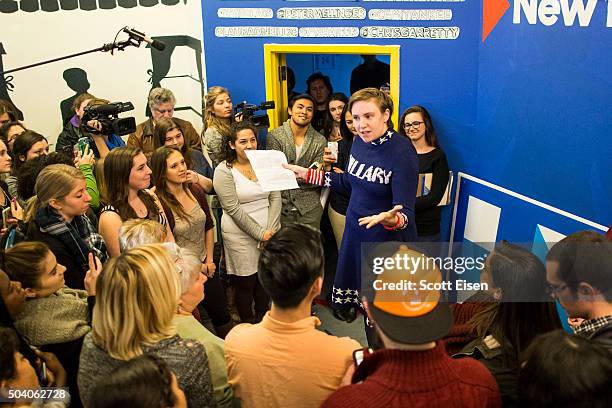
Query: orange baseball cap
408	305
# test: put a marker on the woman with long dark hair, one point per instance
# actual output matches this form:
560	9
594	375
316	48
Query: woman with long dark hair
169	133
9	132
5	168
339	200
331	127
191	223
416	125
26	146
517	310
250	216
127	178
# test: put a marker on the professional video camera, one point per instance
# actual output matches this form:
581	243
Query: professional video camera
108	117
248	112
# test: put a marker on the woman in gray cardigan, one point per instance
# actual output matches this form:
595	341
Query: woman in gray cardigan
250	216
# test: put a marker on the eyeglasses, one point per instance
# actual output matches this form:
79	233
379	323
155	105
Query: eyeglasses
554	290
415	124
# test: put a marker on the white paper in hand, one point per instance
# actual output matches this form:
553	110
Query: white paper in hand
268	167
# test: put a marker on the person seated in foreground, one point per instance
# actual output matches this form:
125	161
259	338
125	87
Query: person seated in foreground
579	274
284	361
143	382
564	370
413	368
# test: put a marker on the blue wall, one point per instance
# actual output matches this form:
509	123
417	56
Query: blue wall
545	111
529	109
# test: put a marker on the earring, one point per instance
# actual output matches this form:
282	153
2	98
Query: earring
497	295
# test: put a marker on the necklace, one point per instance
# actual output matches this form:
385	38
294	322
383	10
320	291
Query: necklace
247	171
139	208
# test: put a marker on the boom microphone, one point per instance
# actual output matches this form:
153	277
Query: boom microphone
158	45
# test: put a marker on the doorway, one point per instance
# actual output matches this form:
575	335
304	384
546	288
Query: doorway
278	57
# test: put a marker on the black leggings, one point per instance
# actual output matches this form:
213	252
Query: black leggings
215	301
248	289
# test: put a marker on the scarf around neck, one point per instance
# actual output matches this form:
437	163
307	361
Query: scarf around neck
79	235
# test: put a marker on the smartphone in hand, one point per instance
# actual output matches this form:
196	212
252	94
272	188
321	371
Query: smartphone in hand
6	214
359	355
81	145
333	146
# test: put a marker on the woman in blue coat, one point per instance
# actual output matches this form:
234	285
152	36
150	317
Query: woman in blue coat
382	178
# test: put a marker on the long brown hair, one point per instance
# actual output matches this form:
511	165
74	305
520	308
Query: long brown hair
9	108
24	262
100	180
159	166
21	146
430	133
162	127
117	167
525	310
210	120
328	125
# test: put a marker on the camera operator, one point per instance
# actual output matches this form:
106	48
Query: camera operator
72	129
100	143
161	103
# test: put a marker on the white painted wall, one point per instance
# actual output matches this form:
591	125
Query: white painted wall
31	37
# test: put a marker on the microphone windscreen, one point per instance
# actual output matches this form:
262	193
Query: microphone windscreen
158	45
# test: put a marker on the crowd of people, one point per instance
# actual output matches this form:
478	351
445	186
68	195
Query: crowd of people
125	269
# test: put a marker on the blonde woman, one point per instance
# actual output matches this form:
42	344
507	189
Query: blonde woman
137	298
56	216
217	120
218	117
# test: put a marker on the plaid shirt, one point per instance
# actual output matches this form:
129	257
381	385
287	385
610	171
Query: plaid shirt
588	327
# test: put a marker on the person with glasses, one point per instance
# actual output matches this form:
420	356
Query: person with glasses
416	124
161	102
579	274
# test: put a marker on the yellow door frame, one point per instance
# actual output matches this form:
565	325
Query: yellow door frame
274	59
